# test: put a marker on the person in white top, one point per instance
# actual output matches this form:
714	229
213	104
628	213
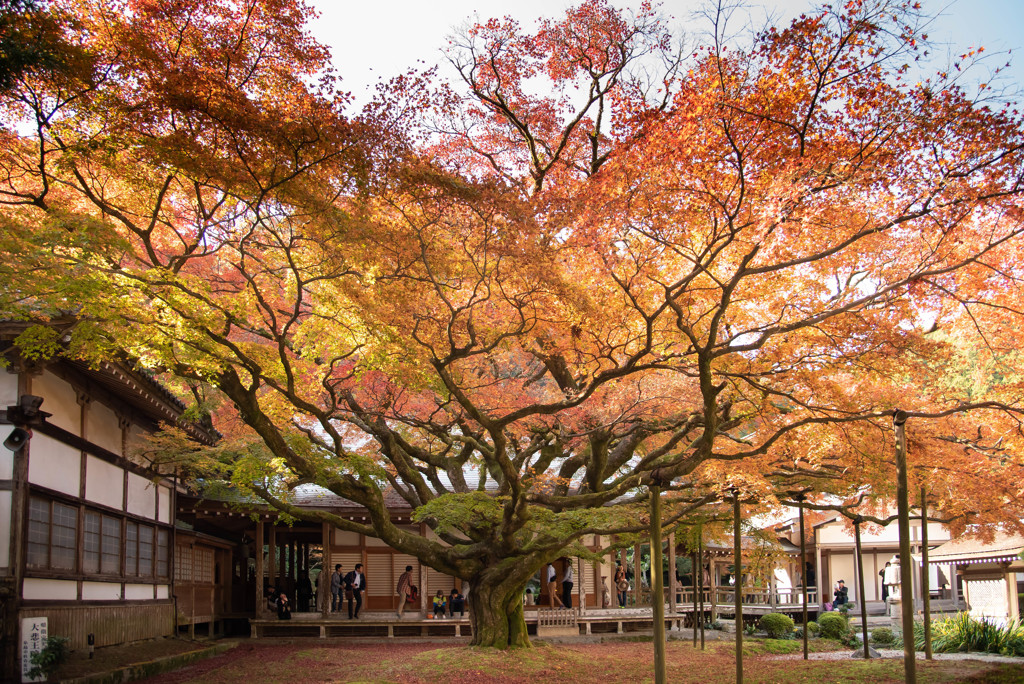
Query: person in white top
567	585
553	587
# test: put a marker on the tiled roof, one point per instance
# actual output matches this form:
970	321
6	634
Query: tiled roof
971	549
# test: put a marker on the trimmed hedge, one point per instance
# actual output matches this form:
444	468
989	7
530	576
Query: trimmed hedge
833	625
882	636
777	625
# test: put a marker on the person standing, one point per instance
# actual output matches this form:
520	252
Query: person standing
355	585
552	587
567	582
404	587
621	584
885	587
337	579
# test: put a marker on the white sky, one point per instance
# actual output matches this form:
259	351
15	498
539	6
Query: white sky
373	41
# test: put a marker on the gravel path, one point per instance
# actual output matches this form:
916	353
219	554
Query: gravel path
893	653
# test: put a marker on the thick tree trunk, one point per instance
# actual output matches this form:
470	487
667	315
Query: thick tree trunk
496	609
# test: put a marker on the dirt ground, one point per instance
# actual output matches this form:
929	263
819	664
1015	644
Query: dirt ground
287	662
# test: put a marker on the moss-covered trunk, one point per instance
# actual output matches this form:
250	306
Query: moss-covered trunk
496	609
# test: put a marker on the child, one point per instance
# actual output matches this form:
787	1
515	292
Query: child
439	604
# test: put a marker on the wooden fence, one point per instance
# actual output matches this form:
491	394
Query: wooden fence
114	624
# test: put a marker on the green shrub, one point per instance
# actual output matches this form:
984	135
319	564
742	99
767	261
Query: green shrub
812	627
882	636
777	625
833	625
964	633
46	660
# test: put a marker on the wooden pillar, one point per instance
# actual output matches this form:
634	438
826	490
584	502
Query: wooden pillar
637	575
423	580
860	588
260	598
672	572
272	555
695	582
738	582
926	580
326	569
818	576
906	571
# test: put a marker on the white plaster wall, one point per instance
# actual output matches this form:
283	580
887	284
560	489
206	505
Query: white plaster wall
8	389
103	428
6	455
138	592
162	591
838	533
34	589
346	538
104	483
164	504
101	591
141	496
58	399
842	569
54	464
5	529
135	440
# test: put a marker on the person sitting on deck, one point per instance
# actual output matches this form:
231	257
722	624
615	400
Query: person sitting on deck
841	595
284	609
439	604
456	602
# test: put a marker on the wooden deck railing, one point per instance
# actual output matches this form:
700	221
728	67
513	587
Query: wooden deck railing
783	599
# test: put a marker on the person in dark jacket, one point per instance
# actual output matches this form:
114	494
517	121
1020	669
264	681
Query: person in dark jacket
841	595
355	585
284	609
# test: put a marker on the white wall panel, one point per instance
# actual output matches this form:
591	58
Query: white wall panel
8	389
34	589
141	496
345	538
162	591
138	592
6	455
164	504
101	591
54	464
103	428
58	399
104	483
5	529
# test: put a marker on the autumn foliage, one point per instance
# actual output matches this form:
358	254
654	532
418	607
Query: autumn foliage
511	297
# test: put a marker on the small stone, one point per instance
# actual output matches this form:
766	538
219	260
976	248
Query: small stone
859	653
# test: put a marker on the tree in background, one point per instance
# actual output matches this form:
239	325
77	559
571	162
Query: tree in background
510	307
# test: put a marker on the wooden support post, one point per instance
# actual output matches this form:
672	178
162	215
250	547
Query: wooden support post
698	571
860	588
272	555
906	569
737	549
260	598
672	573
326	570
637	575
925	578
657	588
803	570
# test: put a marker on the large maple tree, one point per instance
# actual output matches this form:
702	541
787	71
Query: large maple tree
512	299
